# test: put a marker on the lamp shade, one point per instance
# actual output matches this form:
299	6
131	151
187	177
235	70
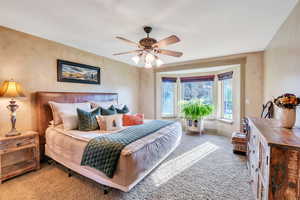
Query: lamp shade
11	89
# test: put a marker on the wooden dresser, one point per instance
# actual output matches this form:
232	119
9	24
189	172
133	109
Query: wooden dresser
273	160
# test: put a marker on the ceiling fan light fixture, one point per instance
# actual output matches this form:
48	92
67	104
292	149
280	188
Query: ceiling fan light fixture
149	58
159	62
148	65
136	59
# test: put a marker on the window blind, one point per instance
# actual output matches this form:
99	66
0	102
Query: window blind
224	76
169	79
197	78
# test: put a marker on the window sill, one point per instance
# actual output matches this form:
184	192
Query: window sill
177	117
210	119
169	117
227	121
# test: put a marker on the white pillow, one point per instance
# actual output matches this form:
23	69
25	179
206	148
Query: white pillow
110	122
104	104
59	109
70	121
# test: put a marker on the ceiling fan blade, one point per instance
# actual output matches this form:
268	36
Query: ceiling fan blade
170	53
128	41
127	52
167	41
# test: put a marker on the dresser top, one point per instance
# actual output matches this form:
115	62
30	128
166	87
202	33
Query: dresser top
275	135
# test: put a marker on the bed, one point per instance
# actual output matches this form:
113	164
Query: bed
136	161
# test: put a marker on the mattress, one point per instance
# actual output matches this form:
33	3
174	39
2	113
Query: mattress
136	160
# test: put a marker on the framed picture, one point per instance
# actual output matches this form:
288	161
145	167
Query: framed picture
77	73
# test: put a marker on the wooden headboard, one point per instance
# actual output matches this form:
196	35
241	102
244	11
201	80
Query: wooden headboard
44	114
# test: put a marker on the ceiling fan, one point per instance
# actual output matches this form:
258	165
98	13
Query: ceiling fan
149	49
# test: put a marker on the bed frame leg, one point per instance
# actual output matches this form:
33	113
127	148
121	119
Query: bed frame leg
70	173
106	190
51	162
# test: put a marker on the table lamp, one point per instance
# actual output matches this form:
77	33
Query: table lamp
12	89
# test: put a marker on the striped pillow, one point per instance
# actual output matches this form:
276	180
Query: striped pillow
131	120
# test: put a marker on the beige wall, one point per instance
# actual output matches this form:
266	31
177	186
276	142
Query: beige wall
32	61
147	91
251	81
282	60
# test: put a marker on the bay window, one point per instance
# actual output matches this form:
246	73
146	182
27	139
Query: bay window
196	87
199	87
168	94
226	95
177	88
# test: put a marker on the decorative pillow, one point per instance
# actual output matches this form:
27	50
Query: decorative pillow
131	120
123	110
110	111
104	104
87	120
110	122
69	121
59	108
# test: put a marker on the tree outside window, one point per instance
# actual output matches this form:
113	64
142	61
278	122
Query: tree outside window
198	90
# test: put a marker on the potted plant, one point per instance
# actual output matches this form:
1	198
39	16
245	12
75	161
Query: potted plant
287	104
194	111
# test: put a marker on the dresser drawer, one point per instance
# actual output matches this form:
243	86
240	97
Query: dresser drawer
9	144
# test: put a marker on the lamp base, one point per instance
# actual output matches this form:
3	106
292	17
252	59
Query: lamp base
13	132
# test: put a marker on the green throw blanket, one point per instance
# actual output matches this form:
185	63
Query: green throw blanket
103	152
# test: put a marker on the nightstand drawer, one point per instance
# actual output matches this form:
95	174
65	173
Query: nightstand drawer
9	144
19	154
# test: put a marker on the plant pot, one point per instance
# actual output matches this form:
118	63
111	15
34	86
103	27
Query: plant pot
287	117
195	125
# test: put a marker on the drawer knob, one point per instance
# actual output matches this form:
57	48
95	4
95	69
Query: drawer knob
18	144
256	170
253	151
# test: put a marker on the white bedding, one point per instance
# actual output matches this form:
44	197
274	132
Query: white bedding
136	161
84	135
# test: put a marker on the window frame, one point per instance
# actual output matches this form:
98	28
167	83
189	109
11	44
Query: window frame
195	82
217	98
222	100
175	90
178	97
213	97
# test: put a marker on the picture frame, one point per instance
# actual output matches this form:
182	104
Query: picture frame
77	73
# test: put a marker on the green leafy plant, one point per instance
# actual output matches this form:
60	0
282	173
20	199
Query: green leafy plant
195	109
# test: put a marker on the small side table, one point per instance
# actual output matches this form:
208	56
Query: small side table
19	154
239	142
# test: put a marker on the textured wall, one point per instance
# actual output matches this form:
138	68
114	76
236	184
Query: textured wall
147	91
32	61
282	60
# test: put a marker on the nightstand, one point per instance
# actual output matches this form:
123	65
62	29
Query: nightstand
19	154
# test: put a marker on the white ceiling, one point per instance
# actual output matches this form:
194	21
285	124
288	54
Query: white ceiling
207	28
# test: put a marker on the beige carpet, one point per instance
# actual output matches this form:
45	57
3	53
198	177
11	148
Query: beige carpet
202	167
